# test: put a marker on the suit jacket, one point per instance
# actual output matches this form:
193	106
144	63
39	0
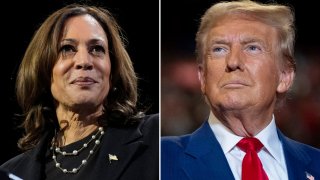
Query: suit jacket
136	148
199	156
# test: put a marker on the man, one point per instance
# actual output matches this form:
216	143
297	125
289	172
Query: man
245	55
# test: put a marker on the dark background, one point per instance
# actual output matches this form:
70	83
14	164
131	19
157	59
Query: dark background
182	105
19	21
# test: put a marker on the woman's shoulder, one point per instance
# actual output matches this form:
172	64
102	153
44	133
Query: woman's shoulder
150	121
151	118
149	127
16	161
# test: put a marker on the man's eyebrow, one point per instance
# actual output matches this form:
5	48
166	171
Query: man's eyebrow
219	40
247	40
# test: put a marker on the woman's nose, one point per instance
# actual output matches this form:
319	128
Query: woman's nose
83	60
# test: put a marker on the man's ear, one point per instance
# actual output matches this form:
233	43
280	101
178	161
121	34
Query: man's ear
285	80
201	76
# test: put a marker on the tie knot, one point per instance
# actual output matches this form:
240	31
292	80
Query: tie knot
250	144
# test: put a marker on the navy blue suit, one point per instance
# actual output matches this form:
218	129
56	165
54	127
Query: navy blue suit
199	156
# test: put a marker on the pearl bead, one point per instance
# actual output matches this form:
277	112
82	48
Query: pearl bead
54	149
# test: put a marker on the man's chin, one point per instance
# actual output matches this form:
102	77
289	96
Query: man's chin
230	104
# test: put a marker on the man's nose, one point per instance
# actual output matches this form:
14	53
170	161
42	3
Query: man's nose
235	60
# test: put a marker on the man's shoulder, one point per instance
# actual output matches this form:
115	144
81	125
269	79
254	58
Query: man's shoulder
301	155
183	141
175	142
311	151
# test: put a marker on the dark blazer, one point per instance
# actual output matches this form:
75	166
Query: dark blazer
137	150
199	156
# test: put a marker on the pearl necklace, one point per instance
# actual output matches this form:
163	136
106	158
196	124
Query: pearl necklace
57	150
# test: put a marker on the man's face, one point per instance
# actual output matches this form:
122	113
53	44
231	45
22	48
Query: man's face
242	66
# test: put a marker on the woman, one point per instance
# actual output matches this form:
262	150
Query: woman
78	90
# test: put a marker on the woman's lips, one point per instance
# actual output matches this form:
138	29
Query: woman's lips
83	81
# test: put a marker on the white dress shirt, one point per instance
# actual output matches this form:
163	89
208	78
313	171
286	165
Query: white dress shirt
271	155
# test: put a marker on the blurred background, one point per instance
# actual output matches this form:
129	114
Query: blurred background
20	20
182	106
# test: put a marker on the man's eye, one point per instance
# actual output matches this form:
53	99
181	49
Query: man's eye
254	48
217	49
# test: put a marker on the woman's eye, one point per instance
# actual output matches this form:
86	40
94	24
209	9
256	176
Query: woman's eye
97	50
67	50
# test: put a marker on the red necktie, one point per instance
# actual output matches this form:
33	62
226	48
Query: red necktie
251	165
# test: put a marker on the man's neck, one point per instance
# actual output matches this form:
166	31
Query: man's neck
244	123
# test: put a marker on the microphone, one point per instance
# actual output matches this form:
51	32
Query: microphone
5	175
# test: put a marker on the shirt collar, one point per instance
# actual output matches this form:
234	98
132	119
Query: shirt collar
270	139
224	135
228	140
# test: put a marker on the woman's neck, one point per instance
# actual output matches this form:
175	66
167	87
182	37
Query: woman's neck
75	126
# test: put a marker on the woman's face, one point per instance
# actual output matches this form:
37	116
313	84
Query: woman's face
81	75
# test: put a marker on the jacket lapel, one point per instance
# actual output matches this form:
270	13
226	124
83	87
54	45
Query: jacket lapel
204	156
119	147
36	164
297	160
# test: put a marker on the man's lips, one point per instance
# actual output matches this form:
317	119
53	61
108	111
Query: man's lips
83	81
235	84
